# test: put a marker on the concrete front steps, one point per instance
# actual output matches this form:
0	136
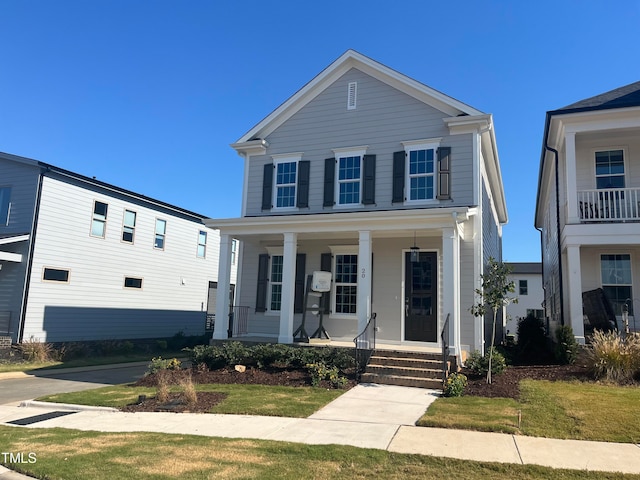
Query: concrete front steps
407	369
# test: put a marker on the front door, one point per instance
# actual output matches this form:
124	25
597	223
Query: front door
420	302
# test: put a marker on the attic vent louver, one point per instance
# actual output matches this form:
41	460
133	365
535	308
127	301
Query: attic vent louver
352	95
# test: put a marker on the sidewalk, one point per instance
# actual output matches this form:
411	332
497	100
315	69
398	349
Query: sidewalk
367	416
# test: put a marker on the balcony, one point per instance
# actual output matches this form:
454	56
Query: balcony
609	205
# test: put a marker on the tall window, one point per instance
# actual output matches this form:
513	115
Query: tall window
421	174
234	251
5	205
346	284
349	180
616	280
285	190
523	287
202	244
128	226
161	231
610	169
99	220
275	294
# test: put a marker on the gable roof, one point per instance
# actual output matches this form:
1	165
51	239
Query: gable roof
352	59
627	96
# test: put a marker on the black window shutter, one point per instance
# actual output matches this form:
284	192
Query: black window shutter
263	278
329	179
303	184
369	185
399	160
444	173
325	266
267	186
301	260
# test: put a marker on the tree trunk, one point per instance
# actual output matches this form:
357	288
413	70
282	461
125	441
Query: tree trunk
493	341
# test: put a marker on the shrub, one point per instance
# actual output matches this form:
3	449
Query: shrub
566	347
532	341
613	359
162	386
158	364
478	364
320	371
455	385
188	390
34	350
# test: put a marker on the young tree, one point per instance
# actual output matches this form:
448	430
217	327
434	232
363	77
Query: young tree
493	295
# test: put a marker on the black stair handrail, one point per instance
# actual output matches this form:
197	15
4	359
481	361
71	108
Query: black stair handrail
365	345
444	335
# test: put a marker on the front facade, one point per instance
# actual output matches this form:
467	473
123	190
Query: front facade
588	208
357	170
84	260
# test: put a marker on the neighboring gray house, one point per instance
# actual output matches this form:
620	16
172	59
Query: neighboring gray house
527	277
588	208
84	260
351	174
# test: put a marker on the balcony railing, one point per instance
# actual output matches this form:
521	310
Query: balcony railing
609	205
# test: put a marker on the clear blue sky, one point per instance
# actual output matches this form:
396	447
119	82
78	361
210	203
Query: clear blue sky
148	95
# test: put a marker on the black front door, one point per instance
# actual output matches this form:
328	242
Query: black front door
420	302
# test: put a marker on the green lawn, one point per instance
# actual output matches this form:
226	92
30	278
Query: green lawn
575	410
299	402
72	455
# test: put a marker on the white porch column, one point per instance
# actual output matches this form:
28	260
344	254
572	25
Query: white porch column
574	279
451	286
364	279
571	184
222	293
288	287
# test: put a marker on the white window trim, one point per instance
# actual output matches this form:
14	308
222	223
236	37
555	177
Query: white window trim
124	279
343	153
206	238
424	144
124	225
93	219
631	260
56	268
335	251
608	149
285	158
273	252
164	235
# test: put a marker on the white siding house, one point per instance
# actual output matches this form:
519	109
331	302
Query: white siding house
84	260
351	174
588	207
527	278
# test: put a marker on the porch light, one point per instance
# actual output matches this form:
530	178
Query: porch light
415	251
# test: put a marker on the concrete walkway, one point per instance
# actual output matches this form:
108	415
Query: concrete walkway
367	416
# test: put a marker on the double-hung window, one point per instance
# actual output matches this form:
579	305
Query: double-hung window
610	169
345	292
616	278
286	180
202	244
129	226
523	287
275	283
99	219
161	231
234	251
5	206
349	170
421	170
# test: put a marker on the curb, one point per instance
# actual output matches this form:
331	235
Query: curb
60	371
66	406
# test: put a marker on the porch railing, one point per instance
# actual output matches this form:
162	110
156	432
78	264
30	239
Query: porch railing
238	321
609	205
5	322
365	345
444	336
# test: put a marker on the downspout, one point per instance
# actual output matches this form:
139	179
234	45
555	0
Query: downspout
558	231
32	244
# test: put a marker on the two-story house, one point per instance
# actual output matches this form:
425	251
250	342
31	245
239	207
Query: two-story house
84	260
393	187
588	207
527	278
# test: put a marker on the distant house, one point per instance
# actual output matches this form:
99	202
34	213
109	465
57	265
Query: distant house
527	278
588	207
393	187
84	260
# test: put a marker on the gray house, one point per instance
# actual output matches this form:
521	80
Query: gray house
84	260
393	187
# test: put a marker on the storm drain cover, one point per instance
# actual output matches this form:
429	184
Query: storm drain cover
39	418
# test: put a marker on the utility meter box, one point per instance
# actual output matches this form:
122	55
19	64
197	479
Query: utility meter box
321	282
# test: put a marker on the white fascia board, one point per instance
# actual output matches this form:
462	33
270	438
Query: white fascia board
618	234
15	239
10	257
251	147
352	59
393	220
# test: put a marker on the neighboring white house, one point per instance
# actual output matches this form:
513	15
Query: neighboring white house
356	170
588	207
84	260
527	278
